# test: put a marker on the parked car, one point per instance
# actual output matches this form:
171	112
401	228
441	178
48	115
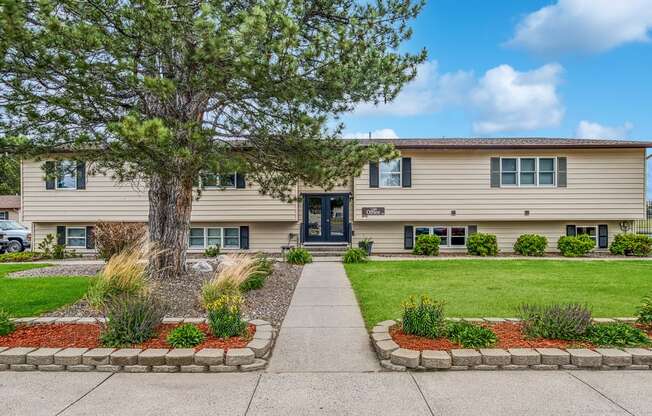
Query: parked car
16	236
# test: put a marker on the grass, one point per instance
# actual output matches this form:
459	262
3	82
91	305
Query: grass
36	295
486	288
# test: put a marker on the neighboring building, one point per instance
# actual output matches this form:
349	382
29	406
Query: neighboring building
10	207
448	187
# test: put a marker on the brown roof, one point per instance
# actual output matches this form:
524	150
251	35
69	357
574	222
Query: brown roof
10	201
509	143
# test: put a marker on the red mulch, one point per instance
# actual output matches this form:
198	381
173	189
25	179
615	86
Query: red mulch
88	336
509	334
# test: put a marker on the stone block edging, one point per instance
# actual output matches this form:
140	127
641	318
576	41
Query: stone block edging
134	360
394	358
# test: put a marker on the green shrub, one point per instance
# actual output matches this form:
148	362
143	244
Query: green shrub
130	319
366	244
557	321
645	310
298	255
469	335
575	246
212	251
425	318
481	244
6	325
355	255
631	245
185	336
112	238
616	335
531	245
21	256
426	245
225	316
256	280
46	245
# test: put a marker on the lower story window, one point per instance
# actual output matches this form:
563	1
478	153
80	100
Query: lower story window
591	231
76	237
448	236
223	237
4	215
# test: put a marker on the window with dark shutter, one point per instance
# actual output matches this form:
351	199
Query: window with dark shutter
240	180
373	174
495	172
603	236
244	237
571	230
562	176
49	174
90	237
61	235
473	229
407	172
408	237
81	175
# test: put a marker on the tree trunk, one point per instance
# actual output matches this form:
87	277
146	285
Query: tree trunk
170	206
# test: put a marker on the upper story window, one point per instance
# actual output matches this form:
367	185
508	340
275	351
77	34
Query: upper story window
66	174
214	181
527	171
390	174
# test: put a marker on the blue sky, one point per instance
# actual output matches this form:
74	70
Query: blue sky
566	68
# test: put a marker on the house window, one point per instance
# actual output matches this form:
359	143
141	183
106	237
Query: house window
66	174
527	171
591	231
390	173
214	236
76	237
448	236
215	181
4	215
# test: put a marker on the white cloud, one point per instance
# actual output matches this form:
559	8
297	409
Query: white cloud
584	26
509	100
590	130
376	134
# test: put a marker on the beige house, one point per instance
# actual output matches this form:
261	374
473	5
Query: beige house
448	187
10	207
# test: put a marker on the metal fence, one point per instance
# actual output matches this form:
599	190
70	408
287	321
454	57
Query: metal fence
645	226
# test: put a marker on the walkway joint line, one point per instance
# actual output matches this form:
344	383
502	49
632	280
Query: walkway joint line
84	395
423	396
600	393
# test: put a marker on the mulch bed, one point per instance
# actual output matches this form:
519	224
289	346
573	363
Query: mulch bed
88	336
510	335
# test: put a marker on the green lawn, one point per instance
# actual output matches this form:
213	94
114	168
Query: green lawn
483	288
35	295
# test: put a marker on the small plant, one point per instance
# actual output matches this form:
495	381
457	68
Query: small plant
531	245
557	321
426	245
124	273
59	252
20	256
6	325
298	255
469	335
354	255
631	245
616	335
366	244
225	316
46	245
424	318
645	311
578	246
185	336
257	279
130	319
112	238
212	251
481	244
231	275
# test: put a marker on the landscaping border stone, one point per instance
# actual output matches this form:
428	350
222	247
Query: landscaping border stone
394	358
253	357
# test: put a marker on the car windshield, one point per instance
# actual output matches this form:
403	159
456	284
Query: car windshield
11	225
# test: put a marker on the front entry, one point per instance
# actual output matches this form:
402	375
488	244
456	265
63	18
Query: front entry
326	218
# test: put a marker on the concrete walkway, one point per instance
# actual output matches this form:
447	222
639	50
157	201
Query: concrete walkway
323	329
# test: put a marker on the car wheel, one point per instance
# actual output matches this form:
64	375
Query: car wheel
14	247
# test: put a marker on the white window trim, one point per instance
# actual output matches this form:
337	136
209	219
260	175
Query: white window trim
205	236
449	233
235	185
4	215
400	174
56	177
536	172
68	237
597	229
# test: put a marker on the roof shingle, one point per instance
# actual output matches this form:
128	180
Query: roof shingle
10	201
509	143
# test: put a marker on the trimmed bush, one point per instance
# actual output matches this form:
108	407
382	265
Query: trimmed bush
424	318
354	255
112	238
631	245
124	274
481	244
469	335
225	316
616	335
185	336
257	279
577	246
645	311
131	320
212	251
557	321
531	245
6	325
298	255
426	245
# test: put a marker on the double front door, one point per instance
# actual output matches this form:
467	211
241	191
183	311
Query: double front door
326	218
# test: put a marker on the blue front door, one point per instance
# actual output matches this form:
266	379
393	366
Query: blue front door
326	218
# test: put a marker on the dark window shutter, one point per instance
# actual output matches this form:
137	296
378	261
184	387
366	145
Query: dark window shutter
81	175
408	237
472	229
240	180
562	175
571	230
495	172
407	172
90	237
61	235
603	236
244	237
50	175
373	174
